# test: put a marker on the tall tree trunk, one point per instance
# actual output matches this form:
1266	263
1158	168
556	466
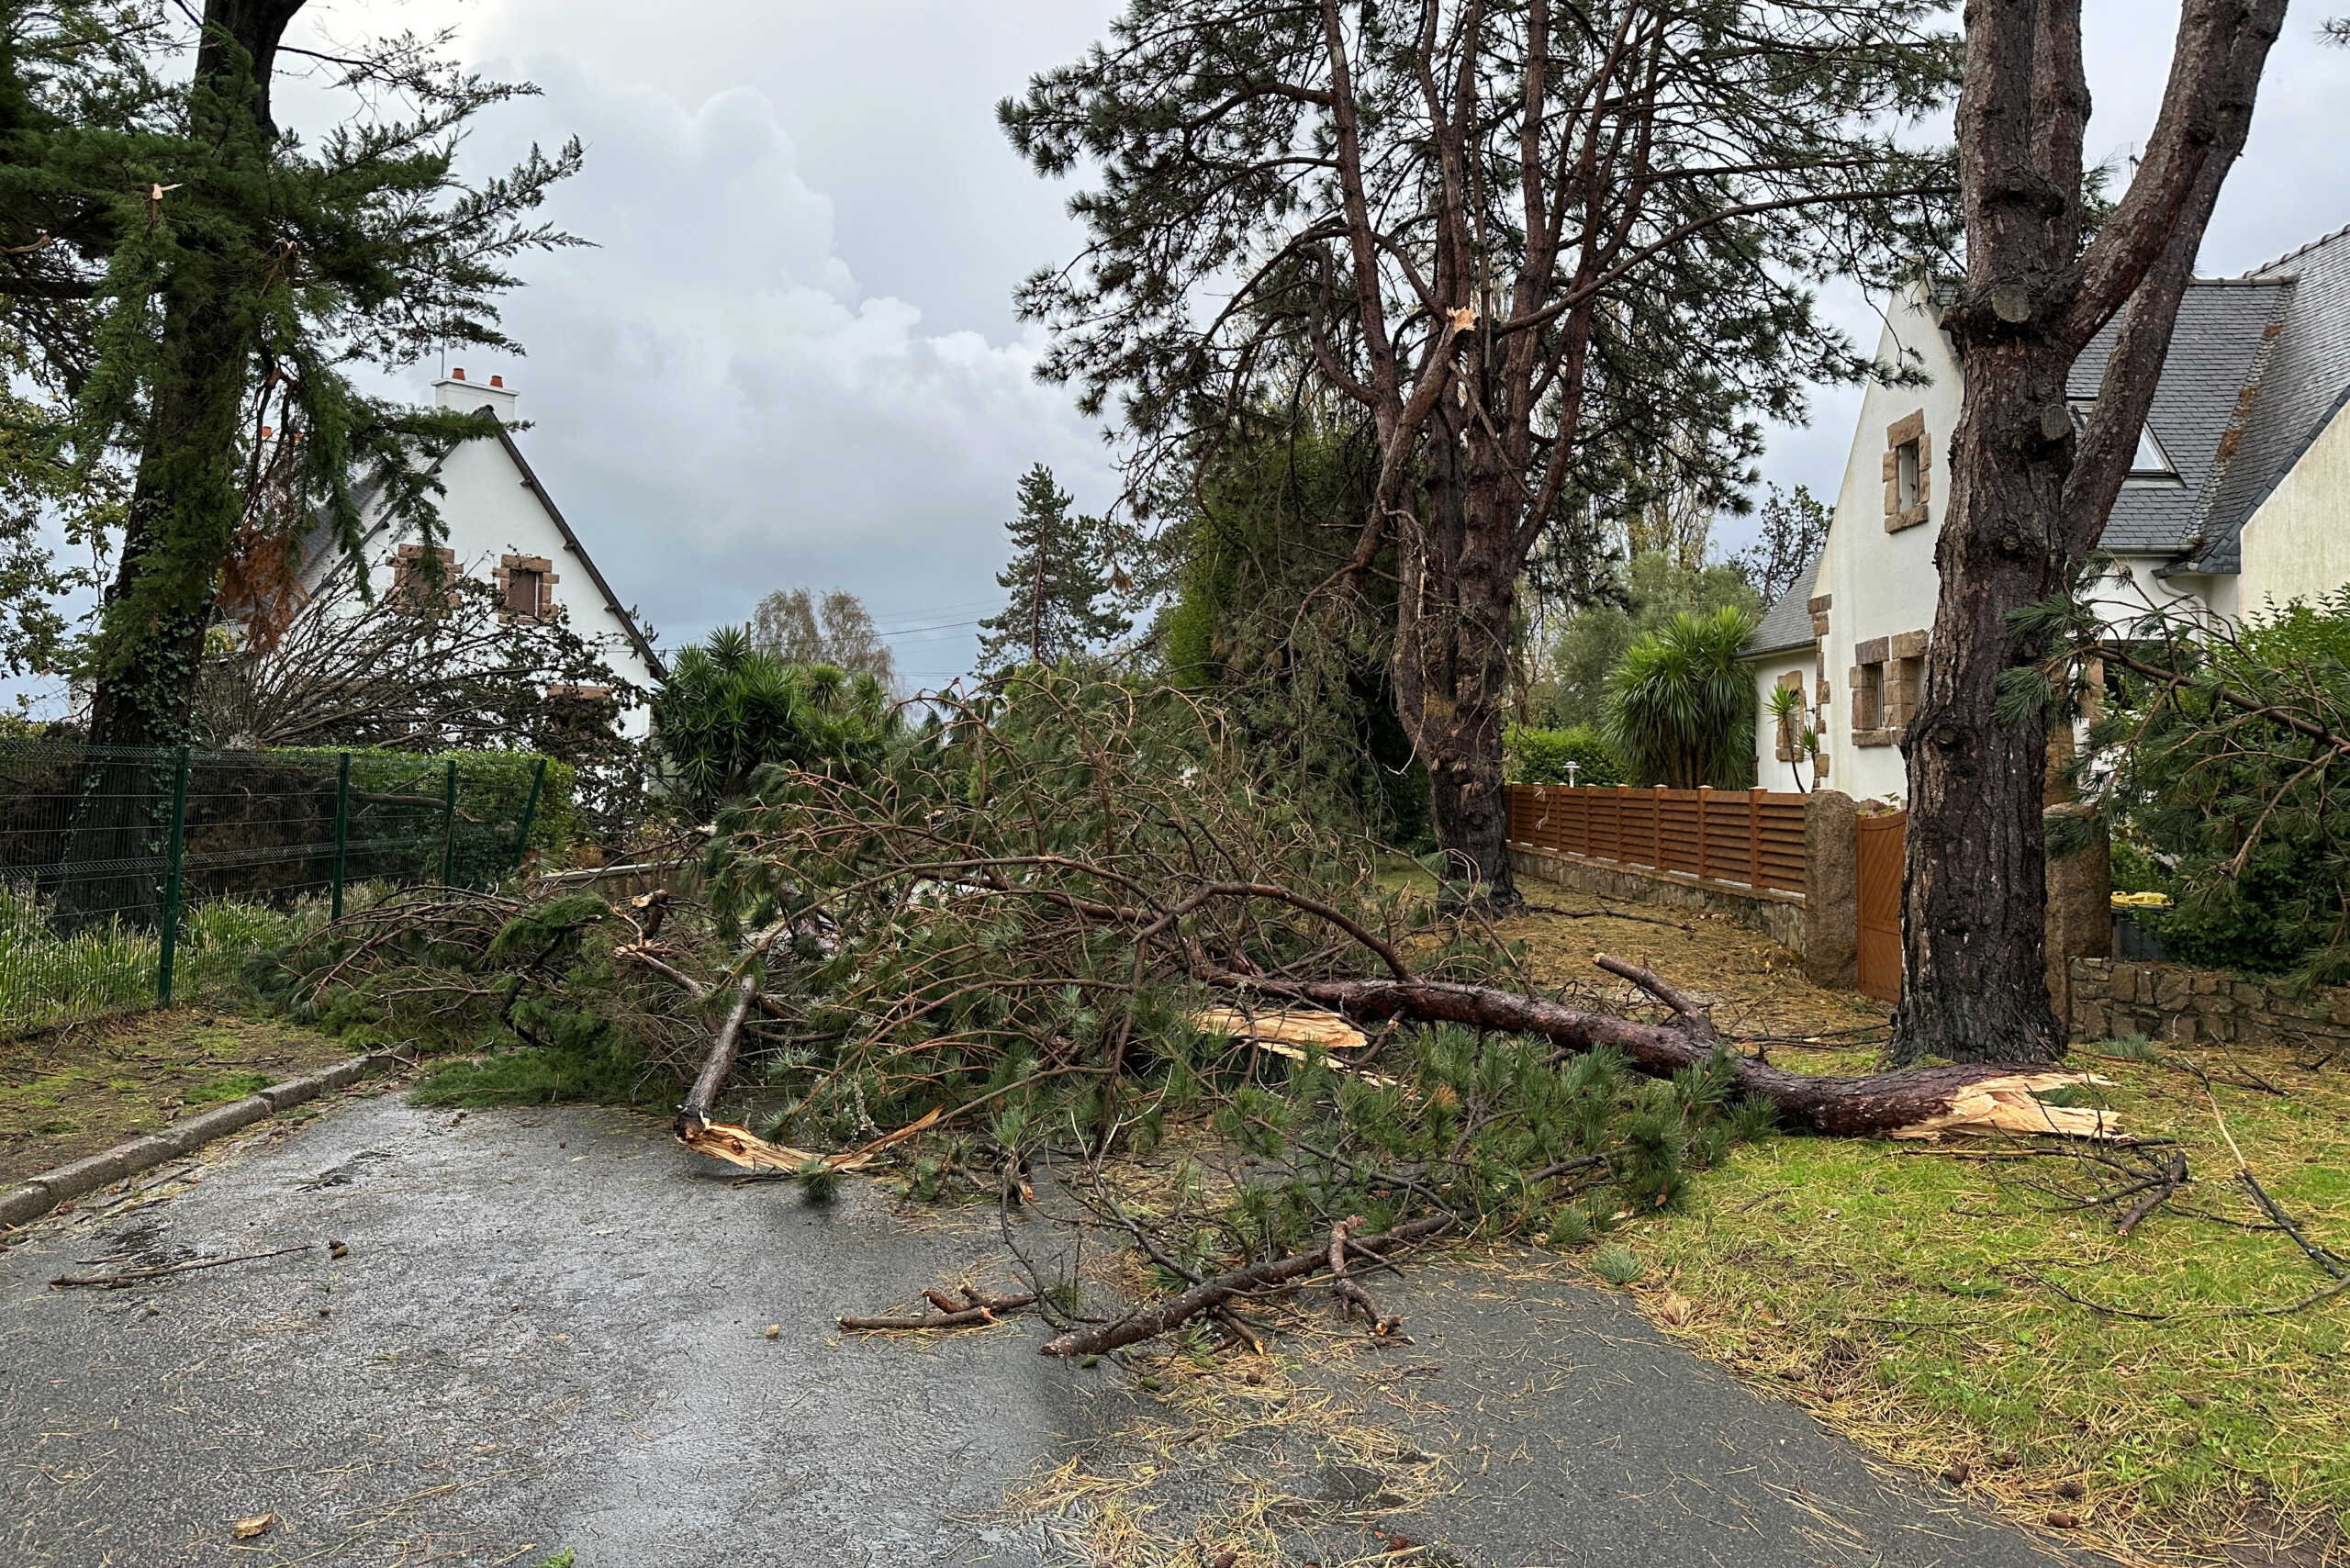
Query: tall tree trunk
185	500
1974	913
1457	594
2028	500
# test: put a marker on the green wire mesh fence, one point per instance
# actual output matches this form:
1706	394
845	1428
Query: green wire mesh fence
130	876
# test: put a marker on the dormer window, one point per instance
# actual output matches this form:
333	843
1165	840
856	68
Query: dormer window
2150	465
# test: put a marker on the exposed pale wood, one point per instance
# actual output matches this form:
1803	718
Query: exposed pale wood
740	1145
1288	1026
2004	1107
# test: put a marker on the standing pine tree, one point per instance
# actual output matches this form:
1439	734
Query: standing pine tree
219	280
1057	578
228	277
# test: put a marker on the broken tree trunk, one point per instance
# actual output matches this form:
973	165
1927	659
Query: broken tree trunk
1919	1101
694	1115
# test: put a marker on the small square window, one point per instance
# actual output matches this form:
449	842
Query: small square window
414	578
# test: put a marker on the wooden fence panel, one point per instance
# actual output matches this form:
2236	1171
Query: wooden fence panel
1751	838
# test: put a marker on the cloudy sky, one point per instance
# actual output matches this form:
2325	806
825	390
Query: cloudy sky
791	360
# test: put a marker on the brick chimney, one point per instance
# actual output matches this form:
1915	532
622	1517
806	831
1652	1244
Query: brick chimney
457	391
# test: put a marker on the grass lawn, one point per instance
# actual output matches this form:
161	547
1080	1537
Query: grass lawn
77	1090
1907	1293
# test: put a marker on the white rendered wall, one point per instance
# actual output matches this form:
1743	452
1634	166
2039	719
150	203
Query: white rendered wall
2297	545
488	511
1770	772
1883	584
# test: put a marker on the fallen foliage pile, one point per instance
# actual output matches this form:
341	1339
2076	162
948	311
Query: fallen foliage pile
1057	923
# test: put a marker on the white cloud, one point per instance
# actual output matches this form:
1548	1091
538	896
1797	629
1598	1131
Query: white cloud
721	409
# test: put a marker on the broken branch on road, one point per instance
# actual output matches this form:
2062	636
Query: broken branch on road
141	1276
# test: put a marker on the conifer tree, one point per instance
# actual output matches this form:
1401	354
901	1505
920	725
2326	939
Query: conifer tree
1057	580
224	277
213	281
1542	247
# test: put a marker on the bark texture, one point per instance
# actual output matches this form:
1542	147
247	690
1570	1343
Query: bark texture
1872	1104
186	498
2028	499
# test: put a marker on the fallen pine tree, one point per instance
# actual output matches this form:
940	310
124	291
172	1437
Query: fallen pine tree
1003	943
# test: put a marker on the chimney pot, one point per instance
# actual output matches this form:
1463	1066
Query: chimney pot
458	374
265	432
498	381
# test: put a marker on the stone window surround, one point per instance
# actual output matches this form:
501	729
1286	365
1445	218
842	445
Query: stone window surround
408	577
1901	432
1884	679
508	566
1820	606
1786	728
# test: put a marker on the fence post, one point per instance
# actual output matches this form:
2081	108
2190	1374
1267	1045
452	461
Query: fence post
174	858
341	827
1705	800
1831	891
529	809
1754	839
449	829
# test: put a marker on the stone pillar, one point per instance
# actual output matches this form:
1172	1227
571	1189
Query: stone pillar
2080	904
1831	932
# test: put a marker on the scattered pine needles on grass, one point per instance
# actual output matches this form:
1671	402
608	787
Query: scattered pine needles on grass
1911	1298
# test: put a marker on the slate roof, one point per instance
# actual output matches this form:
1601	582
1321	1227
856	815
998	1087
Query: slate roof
2217	350
1786	626
2304	383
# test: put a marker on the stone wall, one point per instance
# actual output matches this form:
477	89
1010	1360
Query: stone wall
1778	915
2170	1002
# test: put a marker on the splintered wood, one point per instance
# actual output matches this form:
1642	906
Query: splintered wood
1280	1032
1292	1027
740	1145
2003	1106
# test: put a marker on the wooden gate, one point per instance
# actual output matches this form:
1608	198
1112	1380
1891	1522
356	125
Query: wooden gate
1876	871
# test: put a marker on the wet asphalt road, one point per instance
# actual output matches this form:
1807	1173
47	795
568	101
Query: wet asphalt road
548	1333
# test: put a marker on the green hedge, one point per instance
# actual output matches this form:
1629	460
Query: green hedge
493	789
1541	757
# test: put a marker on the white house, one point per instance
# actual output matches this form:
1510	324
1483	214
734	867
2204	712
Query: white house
2239	498
502	524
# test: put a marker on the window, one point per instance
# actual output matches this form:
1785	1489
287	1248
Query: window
1868	697
1908	472
413	580
1887	673
522	592
1791	723
2148	464
526	587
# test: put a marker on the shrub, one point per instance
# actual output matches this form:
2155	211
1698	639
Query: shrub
728	710
1681	705
1541	757
493	791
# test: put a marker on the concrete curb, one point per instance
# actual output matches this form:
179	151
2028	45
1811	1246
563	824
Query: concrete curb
24	1204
